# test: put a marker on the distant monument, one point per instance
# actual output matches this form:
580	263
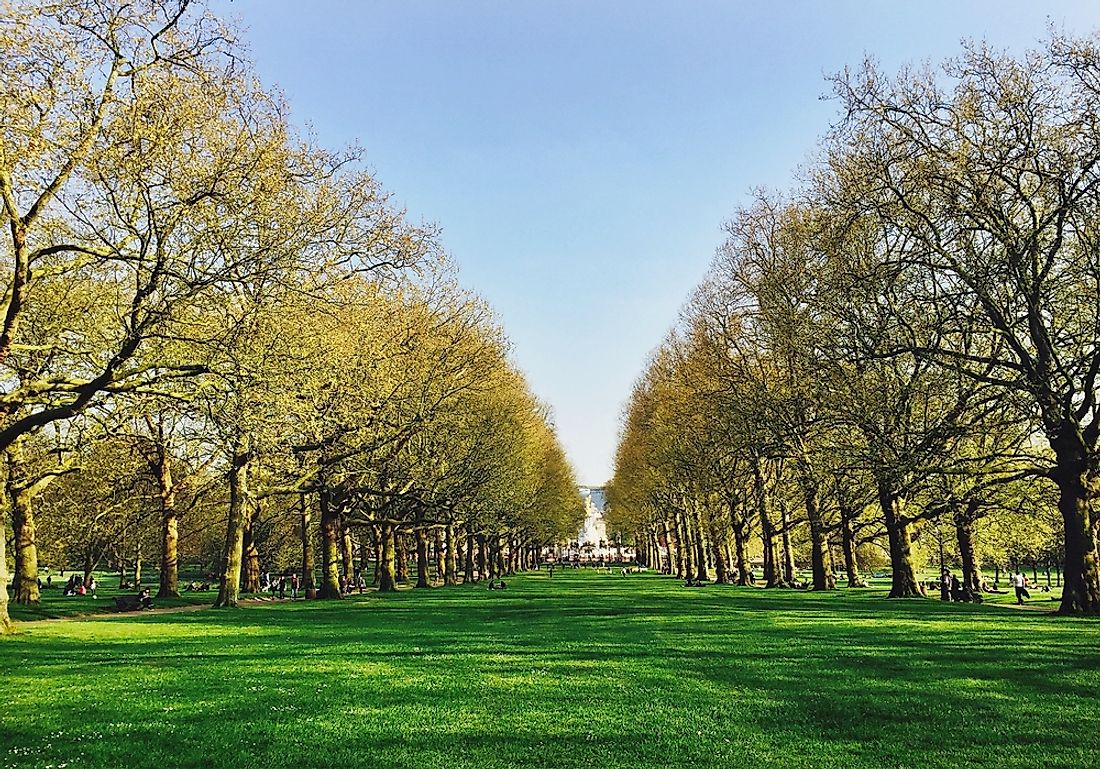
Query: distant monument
593	535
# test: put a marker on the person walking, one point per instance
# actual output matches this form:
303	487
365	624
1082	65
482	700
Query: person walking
1019	581
294	586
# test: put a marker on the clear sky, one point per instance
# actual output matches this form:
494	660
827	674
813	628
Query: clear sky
581	156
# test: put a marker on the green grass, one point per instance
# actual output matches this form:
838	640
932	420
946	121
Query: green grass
55	605
585	670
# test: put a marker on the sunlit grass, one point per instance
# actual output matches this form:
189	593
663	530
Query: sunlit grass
585	670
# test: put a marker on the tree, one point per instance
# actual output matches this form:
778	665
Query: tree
100	100
990	171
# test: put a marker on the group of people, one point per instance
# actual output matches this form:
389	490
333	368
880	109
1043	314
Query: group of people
77	586
281	583
349	584
951	589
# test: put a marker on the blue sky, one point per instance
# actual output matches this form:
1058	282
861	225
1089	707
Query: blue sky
581	156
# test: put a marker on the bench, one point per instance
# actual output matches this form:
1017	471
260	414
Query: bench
127	603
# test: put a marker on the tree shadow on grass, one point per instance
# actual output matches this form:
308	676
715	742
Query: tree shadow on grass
634	673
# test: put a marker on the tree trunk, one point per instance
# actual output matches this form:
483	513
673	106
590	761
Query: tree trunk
309	587
365	535
347	552
169	531
401	553
6	625
377	538
20	502
964	535
169	556
772	576
460	550
330	547
822	578
422	579
701	574
25	587
468	562
239	504
440	556
721	569
684	546
669	546
387	578
904	583
450	568
137	564
1081	580
482	558
848	546
738	525
830	551
788	554
251	574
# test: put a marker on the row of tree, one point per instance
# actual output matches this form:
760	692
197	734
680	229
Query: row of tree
910	337
207	312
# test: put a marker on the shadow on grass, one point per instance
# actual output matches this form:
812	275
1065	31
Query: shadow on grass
584	670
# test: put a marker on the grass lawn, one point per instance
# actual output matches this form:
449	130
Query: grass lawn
584	670
55	605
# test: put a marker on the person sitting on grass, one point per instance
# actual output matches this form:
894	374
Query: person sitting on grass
144	599
957	594
497	584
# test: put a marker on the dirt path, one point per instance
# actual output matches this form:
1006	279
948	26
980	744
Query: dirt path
146	612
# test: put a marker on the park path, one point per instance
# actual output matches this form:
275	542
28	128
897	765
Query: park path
145	612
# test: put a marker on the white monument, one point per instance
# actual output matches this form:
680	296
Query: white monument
592	539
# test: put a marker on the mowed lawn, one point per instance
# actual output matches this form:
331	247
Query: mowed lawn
584	670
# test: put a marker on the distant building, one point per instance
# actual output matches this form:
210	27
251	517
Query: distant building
592	542
594	532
